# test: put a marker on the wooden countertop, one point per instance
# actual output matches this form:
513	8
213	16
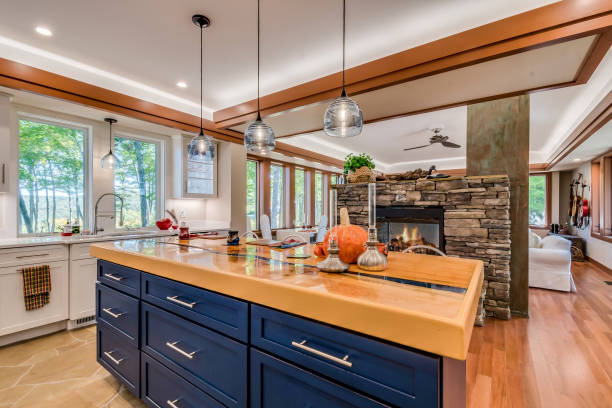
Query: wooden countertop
421	301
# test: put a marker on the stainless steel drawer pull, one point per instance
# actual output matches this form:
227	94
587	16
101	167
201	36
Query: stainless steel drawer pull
114	277
302	345
115	315
178	350
173	403
180	302
111	358
30	256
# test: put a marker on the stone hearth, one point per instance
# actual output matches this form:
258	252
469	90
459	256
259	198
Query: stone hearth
476	223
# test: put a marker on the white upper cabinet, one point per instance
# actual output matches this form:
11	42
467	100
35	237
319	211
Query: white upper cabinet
193	178
5	140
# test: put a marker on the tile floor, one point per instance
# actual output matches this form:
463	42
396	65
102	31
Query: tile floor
58	371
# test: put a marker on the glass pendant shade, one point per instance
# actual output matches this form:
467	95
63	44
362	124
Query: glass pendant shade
200	146
259	137
108	161
343	118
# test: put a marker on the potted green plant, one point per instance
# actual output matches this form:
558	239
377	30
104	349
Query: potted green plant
358	168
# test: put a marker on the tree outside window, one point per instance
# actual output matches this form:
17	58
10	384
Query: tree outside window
276	196
251	194
136	180
51	177
300	198
537	200
318	196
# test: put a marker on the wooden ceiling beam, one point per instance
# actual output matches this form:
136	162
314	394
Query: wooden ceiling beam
543	26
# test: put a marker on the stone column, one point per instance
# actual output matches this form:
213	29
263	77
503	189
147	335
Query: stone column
498	143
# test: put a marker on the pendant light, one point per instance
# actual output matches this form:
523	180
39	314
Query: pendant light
343	117
109	160
202	144
259	137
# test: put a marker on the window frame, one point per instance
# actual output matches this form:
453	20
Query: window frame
601	195
160	157
548	200
87	166
257	189
184	192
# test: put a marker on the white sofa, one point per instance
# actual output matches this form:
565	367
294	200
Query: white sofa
550	261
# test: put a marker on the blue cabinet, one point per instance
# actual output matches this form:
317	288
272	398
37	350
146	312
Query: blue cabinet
176	345
277	384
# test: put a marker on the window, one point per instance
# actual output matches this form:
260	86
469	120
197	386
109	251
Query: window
538	196
601	198
276	196
51	176
137	181
318	184
251	194
300	199
200	173
334	179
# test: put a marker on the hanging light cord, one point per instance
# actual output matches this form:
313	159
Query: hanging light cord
258	35
110	137
343	41
201	69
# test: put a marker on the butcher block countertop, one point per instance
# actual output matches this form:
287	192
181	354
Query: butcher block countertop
421	301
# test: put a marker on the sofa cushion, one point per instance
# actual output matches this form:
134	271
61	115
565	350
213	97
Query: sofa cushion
534	240
555	242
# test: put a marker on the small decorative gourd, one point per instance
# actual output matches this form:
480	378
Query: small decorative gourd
351	239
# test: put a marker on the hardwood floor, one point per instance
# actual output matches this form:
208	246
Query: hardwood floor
560	357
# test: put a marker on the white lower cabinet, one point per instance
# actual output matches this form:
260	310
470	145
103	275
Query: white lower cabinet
83	288
13	315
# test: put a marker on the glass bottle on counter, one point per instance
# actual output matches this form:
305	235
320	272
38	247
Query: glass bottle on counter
183	231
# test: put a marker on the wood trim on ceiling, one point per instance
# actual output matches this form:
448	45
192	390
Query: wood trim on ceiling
543	26
22	77
599	116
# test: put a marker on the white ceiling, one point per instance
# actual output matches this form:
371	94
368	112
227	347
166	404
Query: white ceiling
142	48
599	143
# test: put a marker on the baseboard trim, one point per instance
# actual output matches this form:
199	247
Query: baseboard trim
599	265
32	333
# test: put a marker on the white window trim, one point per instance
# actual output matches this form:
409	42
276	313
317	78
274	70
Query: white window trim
161	149
87	164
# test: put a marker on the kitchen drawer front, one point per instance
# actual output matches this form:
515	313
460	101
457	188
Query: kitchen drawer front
161	387
119	357
119	311
390	373
119	277
277	384
213	362
221	313
33	255
79	251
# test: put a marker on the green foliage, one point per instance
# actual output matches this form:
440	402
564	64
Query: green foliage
318	197
276	196
353	162
136	181
537	200
300	197
251	193
51	176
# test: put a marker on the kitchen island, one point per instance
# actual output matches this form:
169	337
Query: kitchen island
207	324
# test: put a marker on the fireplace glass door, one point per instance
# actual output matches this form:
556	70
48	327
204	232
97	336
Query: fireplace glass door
401	228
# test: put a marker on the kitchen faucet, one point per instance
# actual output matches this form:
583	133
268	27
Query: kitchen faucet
96	229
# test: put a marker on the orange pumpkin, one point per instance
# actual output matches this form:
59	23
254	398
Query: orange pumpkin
351	239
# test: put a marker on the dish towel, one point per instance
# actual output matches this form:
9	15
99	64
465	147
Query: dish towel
36	286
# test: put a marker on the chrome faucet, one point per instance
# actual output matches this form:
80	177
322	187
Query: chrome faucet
96	229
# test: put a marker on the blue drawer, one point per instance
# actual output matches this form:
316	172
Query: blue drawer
119	357
276	384
221	313
119	311
161	387
214	363
390	373
119	277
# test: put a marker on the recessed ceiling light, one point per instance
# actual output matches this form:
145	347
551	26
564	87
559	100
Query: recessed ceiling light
44	31
576	160
181	84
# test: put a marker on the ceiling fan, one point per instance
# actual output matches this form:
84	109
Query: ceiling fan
437	138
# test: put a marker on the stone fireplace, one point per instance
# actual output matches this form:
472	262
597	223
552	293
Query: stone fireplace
469	214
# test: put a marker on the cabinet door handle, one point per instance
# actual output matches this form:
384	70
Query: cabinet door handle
173	403
30	256
302	345
3	173
180	302
178	350
111	358
115	315
114	277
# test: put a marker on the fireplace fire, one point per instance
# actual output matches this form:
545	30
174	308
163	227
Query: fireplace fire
410	236
401	228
